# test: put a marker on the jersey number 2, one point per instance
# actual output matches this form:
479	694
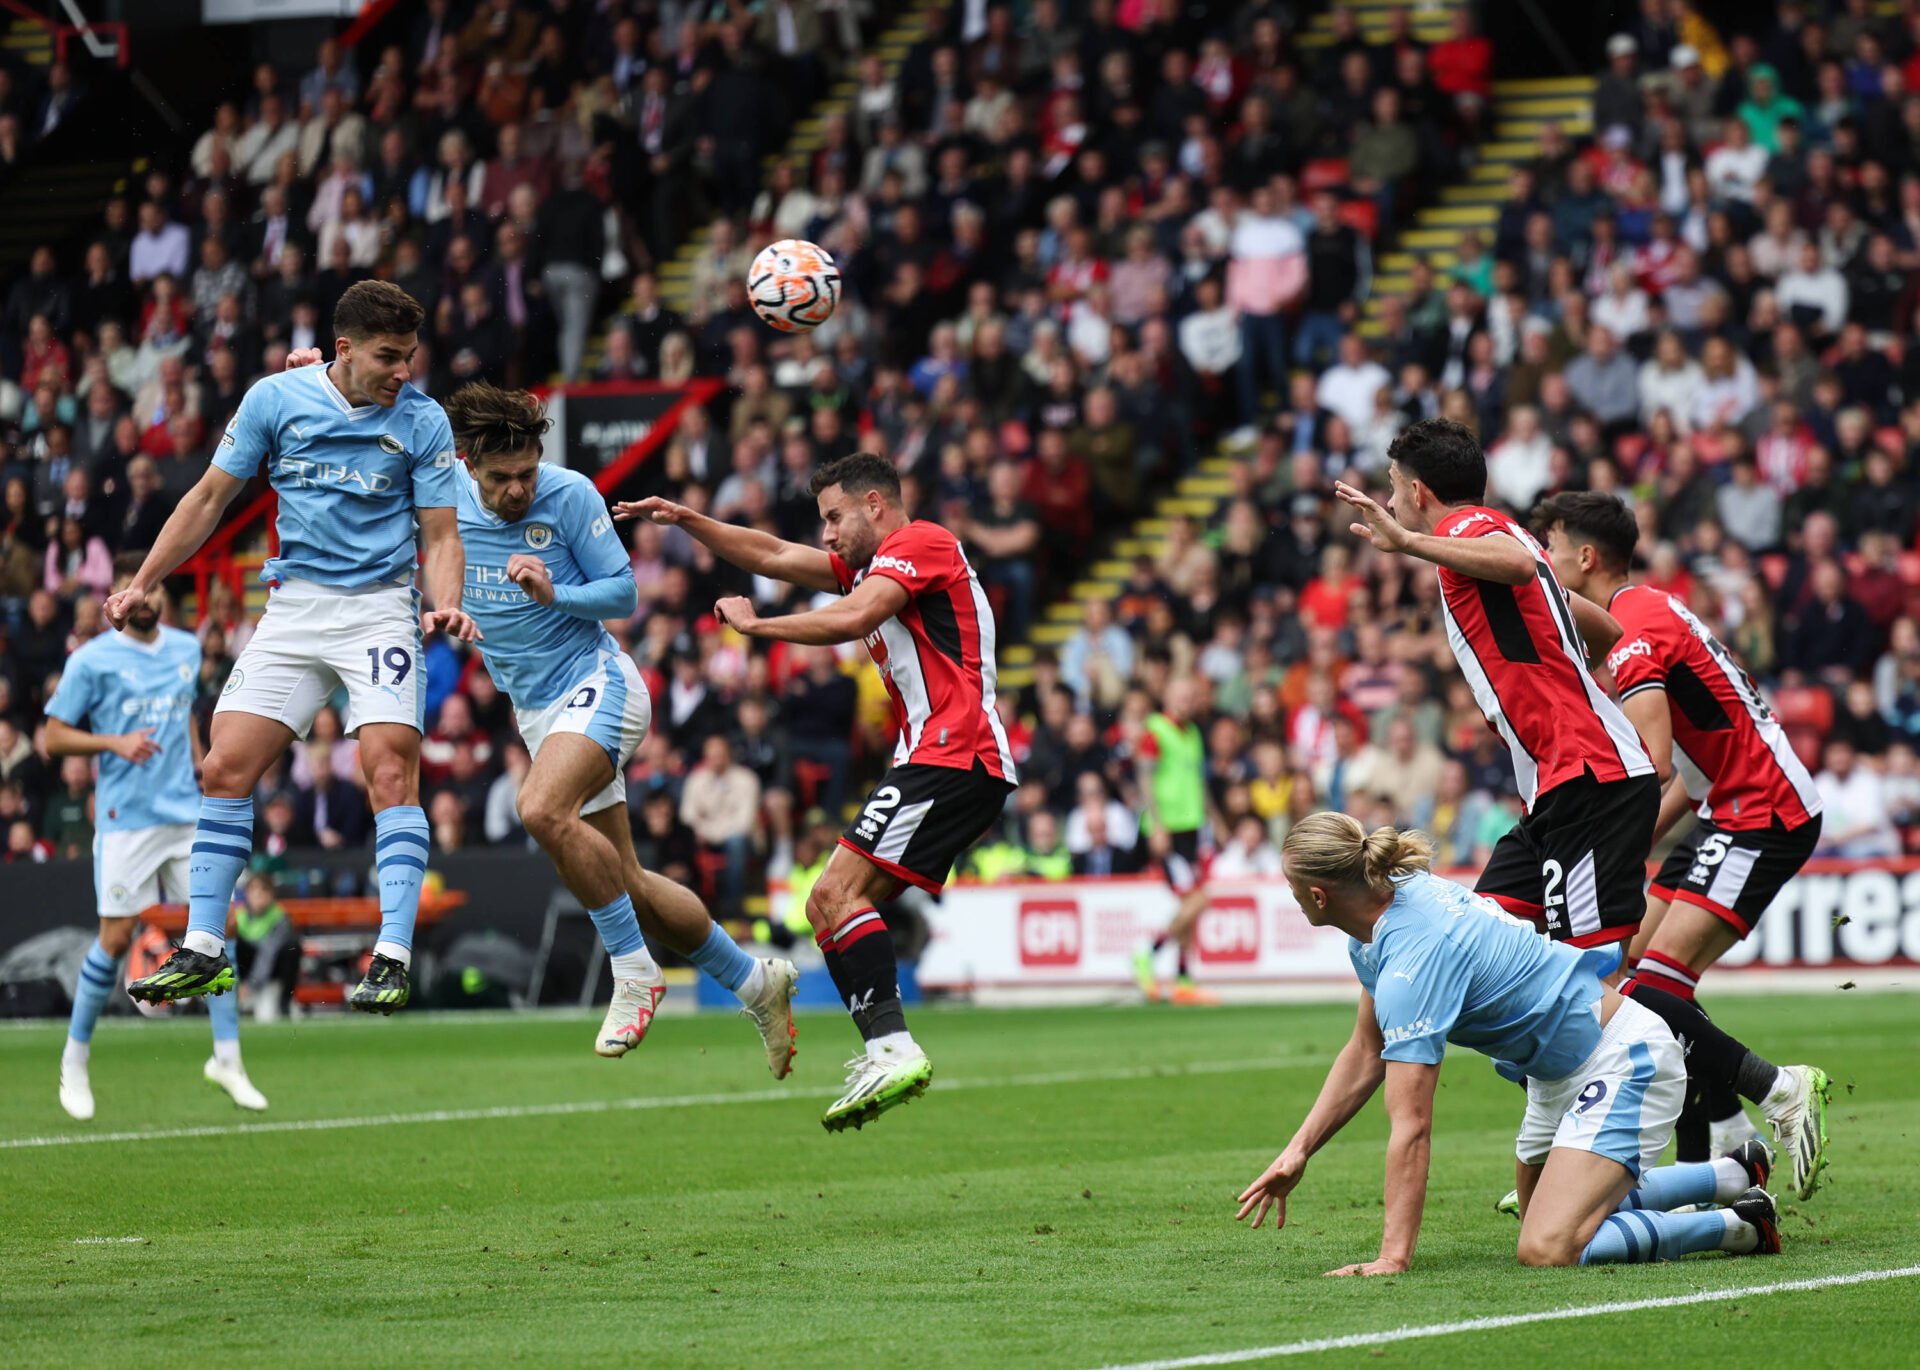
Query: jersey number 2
398	660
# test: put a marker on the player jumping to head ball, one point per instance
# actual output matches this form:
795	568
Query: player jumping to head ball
363	464
545	570
911	595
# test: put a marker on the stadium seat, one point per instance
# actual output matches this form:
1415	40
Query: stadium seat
1804	706
1324	173
1363	215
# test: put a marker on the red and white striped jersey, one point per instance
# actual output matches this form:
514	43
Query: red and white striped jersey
1519	649
936	655
1720	722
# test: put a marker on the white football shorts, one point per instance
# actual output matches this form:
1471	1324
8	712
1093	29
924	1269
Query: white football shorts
1621	1103
611	707
313	639
136	867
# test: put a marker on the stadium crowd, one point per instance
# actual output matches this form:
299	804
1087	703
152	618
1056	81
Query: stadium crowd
1082	245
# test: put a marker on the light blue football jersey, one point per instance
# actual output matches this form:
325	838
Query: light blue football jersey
1446	965
119	684
349	479
536	653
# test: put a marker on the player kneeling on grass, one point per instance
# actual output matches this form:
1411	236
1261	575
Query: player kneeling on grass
140	679
544	572
1605	1077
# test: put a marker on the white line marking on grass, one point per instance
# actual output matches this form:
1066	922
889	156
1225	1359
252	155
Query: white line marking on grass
1443	1329
104	1241
647	1103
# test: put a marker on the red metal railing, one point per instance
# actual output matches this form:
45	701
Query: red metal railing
214	560
62	32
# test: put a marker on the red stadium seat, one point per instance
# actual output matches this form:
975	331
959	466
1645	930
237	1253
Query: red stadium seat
1324	173
1804	706
1363	215
1806	744
1907	564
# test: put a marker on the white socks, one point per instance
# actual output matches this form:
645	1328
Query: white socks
1740	1237
634	965
393	951
1729	1180
205	943
76	1053
755	984
227	1051
893	1046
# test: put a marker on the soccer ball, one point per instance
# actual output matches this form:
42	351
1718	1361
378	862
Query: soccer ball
794	285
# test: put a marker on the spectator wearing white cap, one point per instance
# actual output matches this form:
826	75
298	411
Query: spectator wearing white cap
1616	96
1690	94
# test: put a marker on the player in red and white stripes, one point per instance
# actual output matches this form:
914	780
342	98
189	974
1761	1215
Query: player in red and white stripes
1759	821
908	592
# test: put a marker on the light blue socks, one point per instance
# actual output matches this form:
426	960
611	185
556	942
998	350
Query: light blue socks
401	841
720	957
221	846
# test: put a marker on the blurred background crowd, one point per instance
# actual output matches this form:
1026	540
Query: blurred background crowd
1086	244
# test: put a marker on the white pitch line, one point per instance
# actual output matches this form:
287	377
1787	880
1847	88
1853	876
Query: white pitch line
1444	1329
646	1103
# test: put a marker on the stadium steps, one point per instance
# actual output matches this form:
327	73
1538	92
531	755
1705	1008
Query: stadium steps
27	43
1471	204
675	274
1522	110
45	203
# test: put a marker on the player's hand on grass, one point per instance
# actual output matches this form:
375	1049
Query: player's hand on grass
137	747
120	607
663	511
1270	1191
736	611
1383	1266
304	356
531	574
451	622
1378	526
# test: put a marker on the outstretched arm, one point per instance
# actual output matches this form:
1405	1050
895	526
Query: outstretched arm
189	525
1410	1087
748	548
875	600
1499	559
1355	1075
446	567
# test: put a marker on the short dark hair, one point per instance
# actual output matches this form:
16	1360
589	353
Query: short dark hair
857	474
371	308
1445	457
1593	517
128	563
490	422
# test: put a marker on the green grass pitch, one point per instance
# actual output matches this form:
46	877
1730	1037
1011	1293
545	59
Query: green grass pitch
1063	1198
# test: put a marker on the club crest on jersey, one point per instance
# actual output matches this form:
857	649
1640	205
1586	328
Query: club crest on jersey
185	672
391	445
539	536
233	682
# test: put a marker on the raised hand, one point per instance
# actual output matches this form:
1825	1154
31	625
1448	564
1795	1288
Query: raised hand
304	356
1379	527
736	611
660	510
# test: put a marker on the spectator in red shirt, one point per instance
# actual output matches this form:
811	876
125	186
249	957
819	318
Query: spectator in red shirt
1463	63
454	727
1323	604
